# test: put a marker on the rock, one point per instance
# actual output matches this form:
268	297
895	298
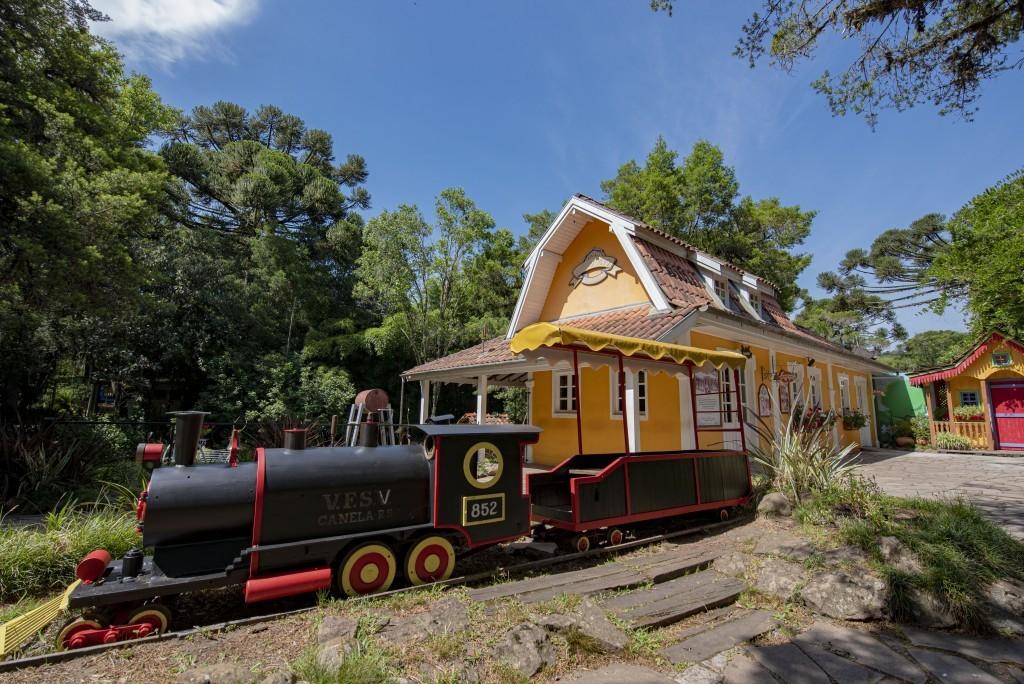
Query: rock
279	677
719	662
897	555
697	674
618	673
593	623
526	649
779	578
775	504
733	564
930	612
220	673
846	596
784	544
336	627
448	615
843	555
1008	595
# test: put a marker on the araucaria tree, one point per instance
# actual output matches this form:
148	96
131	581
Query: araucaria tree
698	201
911	51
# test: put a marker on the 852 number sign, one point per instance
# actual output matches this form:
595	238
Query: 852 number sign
479	510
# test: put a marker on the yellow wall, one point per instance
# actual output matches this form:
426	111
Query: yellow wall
625	288
982	369
759	359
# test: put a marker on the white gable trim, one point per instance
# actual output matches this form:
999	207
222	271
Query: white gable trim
542	262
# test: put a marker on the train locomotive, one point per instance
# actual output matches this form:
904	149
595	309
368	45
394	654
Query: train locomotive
357	519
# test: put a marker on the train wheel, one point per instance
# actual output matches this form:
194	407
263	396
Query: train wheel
367	569
615	536
67	637
154	614
724	514
431	559
581	543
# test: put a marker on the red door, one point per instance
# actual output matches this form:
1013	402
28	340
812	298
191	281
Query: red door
1008	410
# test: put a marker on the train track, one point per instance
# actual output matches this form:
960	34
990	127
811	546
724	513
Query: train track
519	568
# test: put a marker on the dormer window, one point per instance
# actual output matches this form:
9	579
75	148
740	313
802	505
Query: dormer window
755	303
722	292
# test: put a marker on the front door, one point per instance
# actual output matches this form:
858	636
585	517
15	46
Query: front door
865	408
1008	412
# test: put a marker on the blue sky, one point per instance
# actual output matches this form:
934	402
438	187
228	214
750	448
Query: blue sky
524	103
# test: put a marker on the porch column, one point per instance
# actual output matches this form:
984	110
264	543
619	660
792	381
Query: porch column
929	392
424	400
773	388
986	406
481	399
529	413
632	412
832	404
685	414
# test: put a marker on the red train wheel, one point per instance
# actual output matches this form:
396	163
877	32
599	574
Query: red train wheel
367	569
155	615
615	536
431	559
581	543
67	637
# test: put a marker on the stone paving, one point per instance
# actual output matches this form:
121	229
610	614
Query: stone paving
995	484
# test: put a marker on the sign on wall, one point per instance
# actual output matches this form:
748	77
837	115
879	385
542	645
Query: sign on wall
785	403
594	268
709	399
764	401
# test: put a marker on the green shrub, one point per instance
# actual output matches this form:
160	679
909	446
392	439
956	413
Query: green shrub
901	428
803	461
952	441
854	420
968	412
37	561
921	427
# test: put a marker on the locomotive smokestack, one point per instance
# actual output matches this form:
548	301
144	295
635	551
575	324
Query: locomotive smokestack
295	439
187	427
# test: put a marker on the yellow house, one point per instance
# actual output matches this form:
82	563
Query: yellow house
598	270
985	387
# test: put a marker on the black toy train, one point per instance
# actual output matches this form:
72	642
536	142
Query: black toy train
357	518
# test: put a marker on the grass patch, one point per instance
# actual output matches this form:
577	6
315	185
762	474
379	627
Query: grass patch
961	552
367	663
34	561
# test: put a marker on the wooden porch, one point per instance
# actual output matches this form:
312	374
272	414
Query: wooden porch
979	432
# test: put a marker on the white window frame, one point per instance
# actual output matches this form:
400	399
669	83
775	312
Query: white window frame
721	286
756	304
796	388
556	401
845	403
814	396
641	378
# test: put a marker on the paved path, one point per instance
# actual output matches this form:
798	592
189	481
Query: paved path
995	484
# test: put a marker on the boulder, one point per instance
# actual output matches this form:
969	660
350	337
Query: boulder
846	596
590	621
843	555
930	612
336	627
896	554
775	504
779	578
1008	595
447	615
279	677
733	564
785	544
526	649
219	673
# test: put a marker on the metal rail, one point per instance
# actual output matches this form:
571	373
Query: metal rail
61	656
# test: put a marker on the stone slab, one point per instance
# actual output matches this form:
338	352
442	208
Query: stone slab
785	544
720	637
790	663
676	599
992	650
950	668
838	668
745	670
863	649
622	672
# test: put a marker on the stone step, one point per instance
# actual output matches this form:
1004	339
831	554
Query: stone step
737	628
949	668
992	650
672	601
620	574
863	649
838	668
622	672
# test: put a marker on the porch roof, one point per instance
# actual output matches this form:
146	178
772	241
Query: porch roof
945	372
549	335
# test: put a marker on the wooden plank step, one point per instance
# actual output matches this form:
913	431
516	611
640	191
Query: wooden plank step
673	563
670	602
738	628
586	581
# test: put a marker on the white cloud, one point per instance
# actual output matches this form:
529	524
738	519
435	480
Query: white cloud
166	31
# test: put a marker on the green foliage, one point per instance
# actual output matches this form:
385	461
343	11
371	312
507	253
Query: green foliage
854	420
911	52
514	402
698	201
920	426
960	551
968	412
34	562
802	461
927	350
851	316
952	441
985	256
78	187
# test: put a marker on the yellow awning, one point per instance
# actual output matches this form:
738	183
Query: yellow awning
550	335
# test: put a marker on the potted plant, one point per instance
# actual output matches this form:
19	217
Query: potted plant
903	433
854	420
968	413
